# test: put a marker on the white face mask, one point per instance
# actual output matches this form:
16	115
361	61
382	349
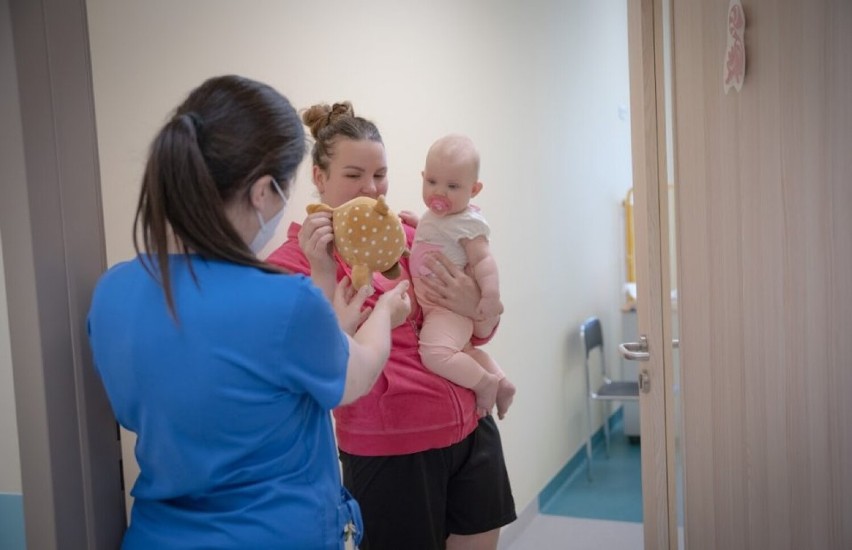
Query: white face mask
267	229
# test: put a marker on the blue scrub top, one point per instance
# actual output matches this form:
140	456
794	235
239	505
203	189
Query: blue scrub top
230	404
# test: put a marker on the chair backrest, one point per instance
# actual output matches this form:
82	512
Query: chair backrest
591	334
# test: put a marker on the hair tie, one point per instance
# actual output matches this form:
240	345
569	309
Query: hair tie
196	121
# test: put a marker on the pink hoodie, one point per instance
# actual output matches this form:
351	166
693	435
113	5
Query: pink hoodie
410	409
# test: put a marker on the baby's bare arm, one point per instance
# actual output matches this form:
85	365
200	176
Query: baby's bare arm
484	269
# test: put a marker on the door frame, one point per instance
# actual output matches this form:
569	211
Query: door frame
53	248
652	256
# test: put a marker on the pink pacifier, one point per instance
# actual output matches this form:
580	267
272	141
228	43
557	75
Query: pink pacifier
439	204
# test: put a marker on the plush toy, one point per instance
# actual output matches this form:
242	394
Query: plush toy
368	236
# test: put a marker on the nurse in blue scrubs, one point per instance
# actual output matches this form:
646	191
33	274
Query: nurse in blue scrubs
225	367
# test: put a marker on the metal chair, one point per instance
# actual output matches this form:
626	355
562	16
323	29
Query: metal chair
591	336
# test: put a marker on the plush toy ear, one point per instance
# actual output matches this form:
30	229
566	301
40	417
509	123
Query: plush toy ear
393	272
381	206
311	208
360	276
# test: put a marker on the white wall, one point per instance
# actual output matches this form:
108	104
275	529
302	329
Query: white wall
537	85
11	166
10	461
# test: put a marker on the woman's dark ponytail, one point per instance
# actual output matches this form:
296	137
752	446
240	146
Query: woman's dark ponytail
229	132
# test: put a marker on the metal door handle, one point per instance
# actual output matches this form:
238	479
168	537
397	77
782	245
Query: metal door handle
635	351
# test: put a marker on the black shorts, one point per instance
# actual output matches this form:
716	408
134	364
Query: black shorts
416	501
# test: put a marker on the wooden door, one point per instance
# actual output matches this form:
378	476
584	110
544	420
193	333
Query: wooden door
764	186
647	105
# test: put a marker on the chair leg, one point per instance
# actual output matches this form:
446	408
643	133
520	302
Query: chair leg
589	438
606	426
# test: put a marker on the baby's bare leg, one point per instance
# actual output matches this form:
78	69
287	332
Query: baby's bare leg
486	393
505	395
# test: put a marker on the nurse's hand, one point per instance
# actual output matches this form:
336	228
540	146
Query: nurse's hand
316	239
349	305
397	302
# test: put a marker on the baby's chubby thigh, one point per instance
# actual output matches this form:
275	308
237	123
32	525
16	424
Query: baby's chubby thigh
441	326
420	253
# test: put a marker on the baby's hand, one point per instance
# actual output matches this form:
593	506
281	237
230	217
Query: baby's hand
489	306
409	217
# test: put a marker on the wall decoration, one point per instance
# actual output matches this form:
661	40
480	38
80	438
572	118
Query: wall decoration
734	66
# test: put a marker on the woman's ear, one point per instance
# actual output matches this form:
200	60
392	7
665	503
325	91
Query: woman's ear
259	190
319	178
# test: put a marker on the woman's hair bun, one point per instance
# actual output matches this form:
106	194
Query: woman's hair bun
317	117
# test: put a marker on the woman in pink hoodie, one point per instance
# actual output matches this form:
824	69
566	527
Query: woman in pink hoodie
427	471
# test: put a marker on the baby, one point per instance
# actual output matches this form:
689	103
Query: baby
451	225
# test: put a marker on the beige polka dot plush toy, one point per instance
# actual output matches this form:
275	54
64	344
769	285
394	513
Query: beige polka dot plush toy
368	236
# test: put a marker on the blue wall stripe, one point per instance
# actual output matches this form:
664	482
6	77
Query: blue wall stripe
12	522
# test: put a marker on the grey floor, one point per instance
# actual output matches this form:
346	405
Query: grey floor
547	532
602	513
